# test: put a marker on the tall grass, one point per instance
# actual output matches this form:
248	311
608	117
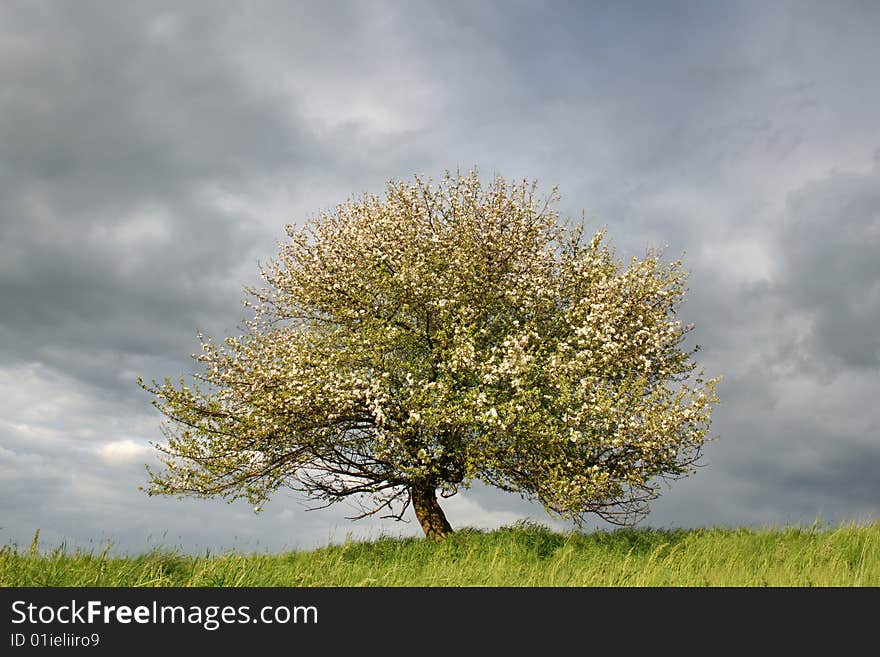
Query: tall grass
523	555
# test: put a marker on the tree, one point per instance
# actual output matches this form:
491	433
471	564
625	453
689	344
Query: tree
441	335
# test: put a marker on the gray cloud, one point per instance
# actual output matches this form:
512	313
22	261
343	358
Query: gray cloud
830	241
113	142
153	152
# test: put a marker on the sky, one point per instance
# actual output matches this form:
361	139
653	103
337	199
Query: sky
151	153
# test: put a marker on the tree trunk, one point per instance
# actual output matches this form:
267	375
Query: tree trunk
429	513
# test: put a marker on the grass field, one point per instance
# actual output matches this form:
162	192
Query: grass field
524	555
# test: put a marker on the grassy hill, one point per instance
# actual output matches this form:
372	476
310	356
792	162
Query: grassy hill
524	555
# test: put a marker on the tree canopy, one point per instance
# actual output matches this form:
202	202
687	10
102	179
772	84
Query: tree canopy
441	335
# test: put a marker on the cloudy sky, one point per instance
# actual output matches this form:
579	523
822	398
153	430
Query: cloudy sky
151	152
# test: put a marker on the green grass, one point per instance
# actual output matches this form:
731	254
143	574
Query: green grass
523	555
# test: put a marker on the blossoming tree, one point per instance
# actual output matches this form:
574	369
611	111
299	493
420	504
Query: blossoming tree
411	345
